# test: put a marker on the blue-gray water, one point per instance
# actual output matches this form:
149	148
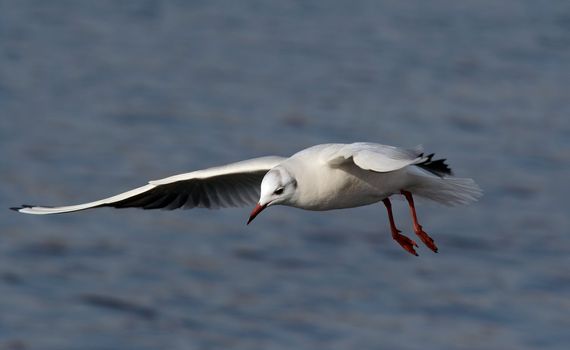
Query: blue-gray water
101	96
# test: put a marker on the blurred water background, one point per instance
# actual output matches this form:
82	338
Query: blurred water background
97	97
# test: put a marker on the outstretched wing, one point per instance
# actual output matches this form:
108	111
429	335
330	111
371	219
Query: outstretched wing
231	185
376	157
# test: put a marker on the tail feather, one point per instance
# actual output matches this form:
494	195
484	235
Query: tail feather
448	190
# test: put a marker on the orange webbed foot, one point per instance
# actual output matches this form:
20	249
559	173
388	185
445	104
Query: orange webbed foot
407	243
428	241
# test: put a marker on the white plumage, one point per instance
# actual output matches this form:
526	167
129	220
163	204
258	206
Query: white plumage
322	177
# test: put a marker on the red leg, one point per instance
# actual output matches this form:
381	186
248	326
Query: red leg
428	241
404	241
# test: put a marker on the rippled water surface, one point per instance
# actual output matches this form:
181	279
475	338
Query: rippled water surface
98	97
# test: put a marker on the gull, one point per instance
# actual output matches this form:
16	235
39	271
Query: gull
321	177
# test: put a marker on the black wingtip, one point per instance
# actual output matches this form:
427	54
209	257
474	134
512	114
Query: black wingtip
23	206
437	167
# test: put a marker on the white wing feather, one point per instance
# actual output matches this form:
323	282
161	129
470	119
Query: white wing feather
245	166
230	185
376	157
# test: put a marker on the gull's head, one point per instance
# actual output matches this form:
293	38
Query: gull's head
277	187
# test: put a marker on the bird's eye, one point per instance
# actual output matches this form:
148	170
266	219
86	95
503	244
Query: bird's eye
278	191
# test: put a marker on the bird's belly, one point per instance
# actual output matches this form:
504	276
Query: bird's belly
353	188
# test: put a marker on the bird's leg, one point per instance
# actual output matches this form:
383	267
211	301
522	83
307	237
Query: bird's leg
428	241
406	243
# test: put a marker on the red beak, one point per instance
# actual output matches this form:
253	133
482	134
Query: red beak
258	208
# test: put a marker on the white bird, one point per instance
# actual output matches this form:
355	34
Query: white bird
322	177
